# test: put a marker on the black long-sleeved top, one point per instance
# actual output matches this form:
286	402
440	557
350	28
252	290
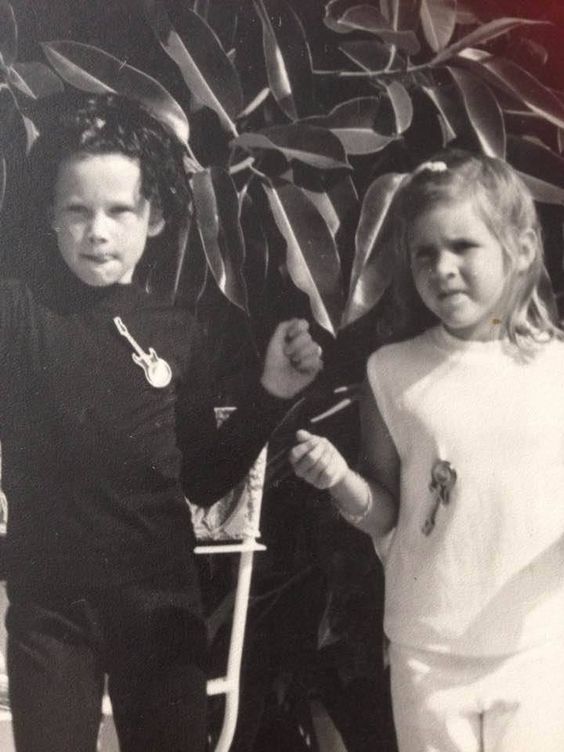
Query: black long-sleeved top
96	461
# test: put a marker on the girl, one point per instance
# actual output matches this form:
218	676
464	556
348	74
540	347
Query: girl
463	468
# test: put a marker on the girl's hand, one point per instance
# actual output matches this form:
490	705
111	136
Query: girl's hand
292	359
317	461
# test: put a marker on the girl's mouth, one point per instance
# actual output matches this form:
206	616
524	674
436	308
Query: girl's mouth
448	294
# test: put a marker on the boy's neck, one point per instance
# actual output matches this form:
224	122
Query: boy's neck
65	292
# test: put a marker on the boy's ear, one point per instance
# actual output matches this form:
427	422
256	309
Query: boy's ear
528	245
156	220
51	217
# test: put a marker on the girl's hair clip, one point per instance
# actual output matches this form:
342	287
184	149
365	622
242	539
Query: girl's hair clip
431	167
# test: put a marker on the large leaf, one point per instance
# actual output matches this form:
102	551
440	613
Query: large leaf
546	193
334	9
371	270
368	54
31	132
483	34
181	253
257	249
367	18
91	69
8	34
354	124
483	112
438	19
327	735
2	180
15	81
307	143
540	167
465	16
37	79
203	64
335	203
402	104
401	14
217	218
520	84
448	109
9	116
287	57
312	259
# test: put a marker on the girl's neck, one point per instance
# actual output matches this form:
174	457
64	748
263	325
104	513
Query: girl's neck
446	340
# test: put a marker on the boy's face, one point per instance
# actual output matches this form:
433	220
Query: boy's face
101	218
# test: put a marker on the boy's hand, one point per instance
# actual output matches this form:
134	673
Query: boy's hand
292	359
317	461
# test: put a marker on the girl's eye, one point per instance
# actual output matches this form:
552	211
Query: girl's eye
118	211
460	246
422	255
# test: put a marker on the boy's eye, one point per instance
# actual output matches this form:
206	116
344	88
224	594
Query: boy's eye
76	209
119	210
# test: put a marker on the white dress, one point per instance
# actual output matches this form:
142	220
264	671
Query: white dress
489	578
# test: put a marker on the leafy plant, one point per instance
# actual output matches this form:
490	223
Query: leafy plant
302	160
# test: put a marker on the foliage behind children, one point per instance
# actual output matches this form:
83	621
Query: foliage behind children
106	425
463	467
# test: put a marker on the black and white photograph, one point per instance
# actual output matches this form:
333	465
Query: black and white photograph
282	376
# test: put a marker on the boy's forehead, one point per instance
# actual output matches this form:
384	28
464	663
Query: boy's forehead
109	172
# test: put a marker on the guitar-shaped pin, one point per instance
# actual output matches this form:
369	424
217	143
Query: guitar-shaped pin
157	371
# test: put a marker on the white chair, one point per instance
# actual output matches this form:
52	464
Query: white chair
232	526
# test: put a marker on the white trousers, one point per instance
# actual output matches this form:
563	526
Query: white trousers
445	703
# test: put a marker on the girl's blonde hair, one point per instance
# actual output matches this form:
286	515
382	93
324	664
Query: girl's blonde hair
505	205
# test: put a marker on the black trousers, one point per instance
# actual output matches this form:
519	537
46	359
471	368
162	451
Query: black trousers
150	640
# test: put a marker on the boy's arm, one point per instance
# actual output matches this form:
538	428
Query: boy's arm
368	500
215	460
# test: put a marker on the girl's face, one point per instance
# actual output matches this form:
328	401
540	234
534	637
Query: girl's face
460	270
101	217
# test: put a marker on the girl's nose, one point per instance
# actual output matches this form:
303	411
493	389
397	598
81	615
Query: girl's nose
445	264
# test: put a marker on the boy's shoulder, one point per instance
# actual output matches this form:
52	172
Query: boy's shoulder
13	291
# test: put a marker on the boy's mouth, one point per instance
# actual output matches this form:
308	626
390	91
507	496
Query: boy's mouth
98	258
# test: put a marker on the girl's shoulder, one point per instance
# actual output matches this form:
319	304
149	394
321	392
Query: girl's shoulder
401	353
552	350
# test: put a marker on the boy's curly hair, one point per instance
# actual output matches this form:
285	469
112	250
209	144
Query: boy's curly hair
80	123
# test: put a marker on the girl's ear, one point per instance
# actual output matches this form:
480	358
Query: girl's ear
527	250
156	220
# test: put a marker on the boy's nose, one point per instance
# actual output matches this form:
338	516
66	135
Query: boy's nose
97	228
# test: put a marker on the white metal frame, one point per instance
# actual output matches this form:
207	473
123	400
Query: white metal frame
228	685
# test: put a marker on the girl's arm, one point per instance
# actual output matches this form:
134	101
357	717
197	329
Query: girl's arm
368	500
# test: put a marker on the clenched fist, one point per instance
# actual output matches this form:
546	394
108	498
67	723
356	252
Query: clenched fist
292	360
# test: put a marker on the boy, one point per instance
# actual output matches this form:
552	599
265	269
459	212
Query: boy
106	426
